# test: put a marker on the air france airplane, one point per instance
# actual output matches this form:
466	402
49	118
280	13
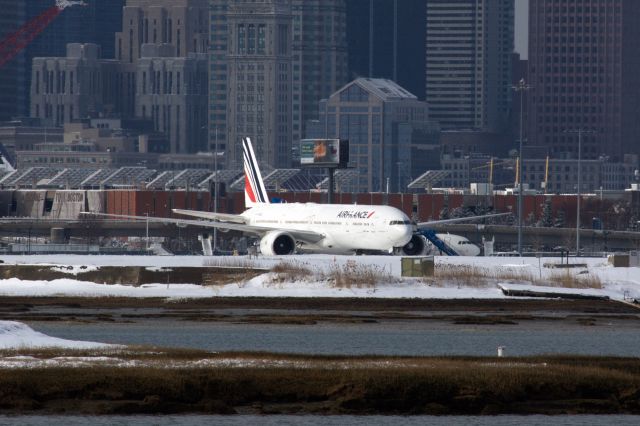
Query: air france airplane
284	228
287	228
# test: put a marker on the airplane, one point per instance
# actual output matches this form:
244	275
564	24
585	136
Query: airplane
459	244
288	228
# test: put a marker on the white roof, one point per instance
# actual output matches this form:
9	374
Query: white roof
384	89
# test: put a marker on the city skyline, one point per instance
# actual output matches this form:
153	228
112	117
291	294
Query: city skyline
267	70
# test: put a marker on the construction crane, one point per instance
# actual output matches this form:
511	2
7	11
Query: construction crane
11	45
491	164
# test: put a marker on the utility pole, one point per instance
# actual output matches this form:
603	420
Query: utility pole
147	230
580	132
215	189
520	88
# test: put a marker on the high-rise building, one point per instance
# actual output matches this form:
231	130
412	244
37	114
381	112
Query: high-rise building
260	77
468	63
12	74
183	24
94	23
180	23
391	139
386	40
78	85
218	75
271	63
319	57
584	62
159	74
172	92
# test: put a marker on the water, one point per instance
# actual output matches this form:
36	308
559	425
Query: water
385	338
319	420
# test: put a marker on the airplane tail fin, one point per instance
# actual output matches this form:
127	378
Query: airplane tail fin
254	189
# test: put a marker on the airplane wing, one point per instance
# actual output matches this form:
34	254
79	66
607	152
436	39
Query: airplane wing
220	217
305	236
422	225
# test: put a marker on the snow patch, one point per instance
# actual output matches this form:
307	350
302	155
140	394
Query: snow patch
16	335
617	283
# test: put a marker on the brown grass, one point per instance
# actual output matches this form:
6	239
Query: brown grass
479	277
354	274
290	272
568	280
231	262
534	385
348	275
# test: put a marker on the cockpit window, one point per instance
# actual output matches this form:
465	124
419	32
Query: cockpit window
400	222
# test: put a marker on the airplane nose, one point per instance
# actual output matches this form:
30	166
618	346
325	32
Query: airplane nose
406	233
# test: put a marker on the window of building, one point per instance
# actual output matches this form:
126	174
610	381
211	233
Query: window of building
242	49
261	39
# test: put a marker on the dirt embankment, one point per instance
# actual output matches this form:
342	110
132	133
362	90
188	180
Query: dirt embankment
321	385
131	275
312	310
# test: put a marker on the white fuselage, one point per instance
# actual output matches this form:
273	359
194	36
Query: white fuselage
346	228
460	244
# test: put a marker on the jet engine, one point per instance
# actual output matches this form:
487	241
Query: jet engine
415	246
277	243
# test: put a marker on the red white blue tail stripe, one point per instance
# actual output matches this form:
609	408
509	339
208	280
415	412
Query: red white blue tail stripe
254	189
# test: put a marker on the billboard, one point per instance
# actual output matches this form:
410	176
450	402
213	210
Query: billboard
324	152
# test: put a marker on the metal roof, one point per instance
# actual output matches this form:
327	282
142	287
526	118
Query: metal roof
383	88
428	179
342	179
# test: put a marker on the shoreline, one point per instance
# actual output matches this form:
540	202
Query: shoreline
310	311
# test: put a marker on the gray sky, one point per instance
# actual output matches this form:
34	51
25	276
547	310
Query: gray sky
522	27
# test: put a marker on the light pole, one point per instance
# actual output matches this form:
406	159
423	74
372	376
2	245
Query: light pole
215	188
578	195
520	88
579	131
147	231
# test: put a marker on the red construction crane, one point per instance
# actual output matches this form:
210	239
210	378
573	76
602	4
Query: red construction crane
11	45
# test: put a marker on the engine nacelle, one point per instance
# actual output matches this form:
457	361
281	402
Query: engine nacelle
415	247
277	243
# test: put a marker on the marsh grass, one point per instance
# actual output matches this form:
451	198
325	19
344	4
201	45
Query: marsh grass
464	385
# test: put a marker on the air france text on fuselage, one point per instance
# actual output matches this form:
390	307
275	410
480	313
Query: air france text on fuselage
352	214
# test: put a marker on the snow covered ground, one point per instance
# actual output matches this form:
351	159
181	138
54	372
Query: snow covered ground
617	283
16	335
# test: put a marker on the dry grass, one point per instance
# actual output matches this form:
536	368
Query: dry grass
290	272
348	275
231	262
354	274
479	277
475	276
568	280
460	275
470	386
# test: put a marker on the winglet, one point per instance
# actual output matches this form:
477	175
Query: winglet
254	189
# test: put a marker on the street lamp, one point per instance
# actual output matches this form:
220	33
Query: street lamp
215	188
521	87
147	230
579	131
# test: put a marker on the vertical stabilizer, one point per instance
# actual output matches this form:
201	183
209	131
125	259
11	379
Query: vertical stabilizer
254	189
